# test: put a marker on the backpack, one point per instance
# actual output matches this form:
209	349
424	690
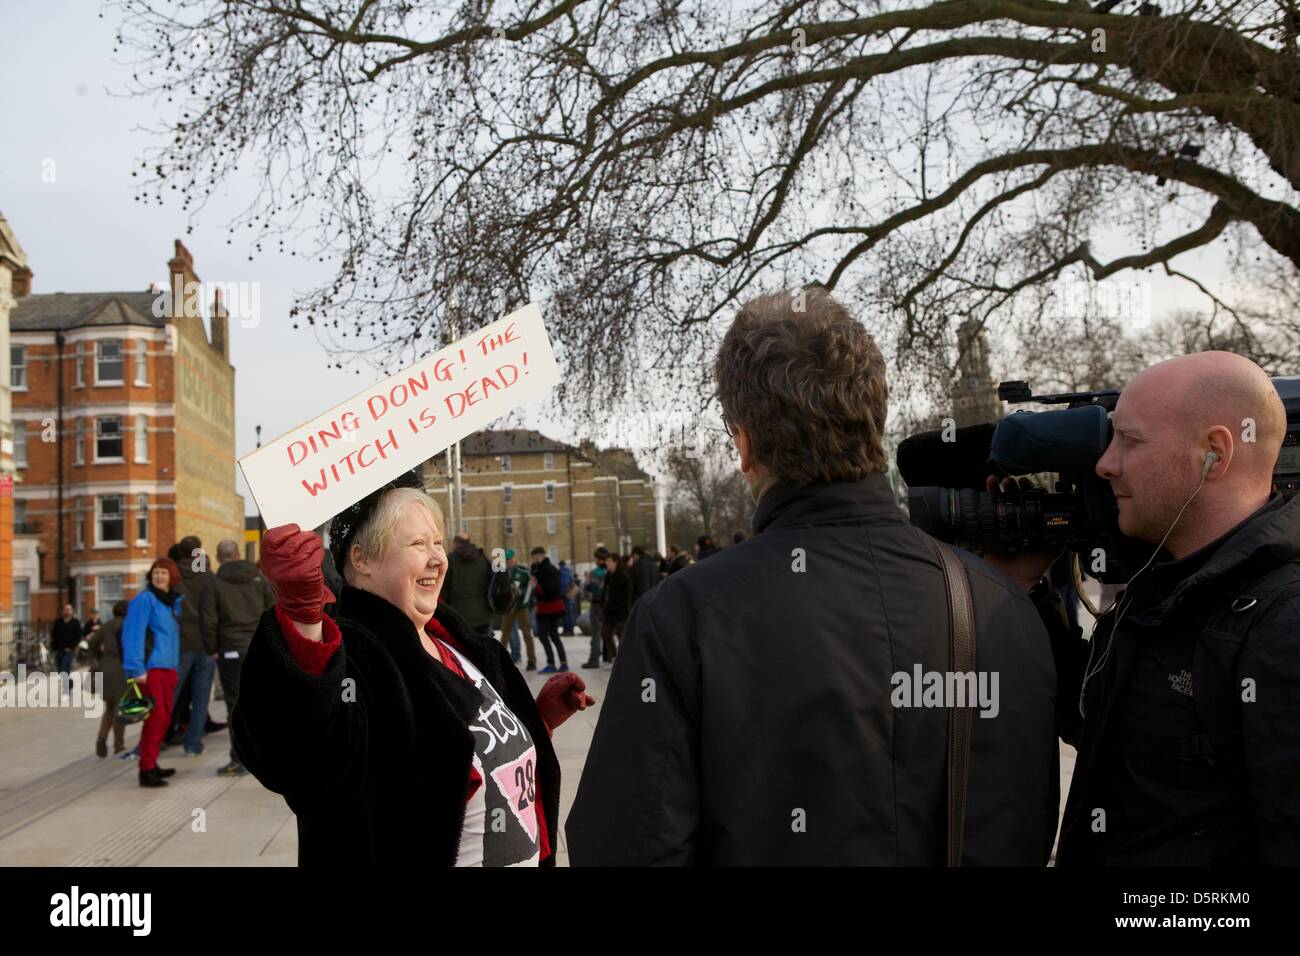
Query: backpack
501	592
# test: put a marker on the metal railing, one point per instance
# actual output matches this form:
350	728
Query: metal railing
28	643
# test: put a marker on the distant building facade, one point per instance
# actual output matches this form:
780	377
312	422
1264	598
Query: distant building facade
974	395
521	490
146	451
15	281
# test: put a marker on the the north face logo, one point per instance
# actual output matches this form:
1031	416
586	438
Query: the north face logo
1182	682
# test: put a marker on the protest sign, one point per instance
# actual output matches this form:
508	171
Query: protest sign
314	471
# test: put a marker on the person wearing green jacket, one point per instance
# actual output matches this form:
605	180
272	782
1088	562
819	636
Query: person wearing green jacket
519	614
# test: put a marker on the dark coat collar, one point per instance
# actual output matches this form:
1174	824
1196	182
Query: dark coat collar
1268	538
786	505
387	622
377	613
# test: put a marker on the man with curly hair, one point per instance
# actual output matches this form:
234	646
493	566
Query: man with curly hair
762	711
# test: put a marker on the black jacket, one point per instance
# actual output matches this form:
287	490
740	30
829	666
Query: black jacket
469	572
644	574
65	635
618	597
199	610
548	587
1175	766
241	596
380	780
749	720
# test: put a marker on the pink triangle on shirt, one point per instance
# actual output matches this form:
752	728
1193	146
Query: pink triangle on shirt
513	780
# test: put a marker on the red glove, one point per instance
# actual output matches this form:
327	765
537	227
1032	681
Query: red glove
561	697
291	561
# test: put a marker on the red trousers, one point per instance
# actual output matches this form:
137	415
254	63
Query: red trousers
161	686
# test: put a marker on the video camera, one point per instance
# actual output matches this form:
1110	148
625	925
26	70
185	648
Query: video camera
945	471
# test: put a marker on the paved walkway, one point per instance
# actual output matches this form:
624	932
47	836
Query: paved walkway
60	805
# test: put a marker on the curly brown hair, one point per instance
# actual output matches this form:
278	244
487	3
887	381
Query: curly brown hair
807	382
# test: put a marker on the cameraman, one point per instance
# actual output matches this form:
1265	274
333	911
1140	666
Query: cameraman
1185	706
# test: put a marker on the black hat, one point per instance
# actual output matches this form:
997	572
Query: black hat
601	553
343	527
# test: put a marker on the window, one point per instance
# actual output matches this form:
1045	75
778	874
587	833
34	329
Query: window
78	527
112	523
79	367
510	527
20	444
550	524
464	526
108	438
548	461
22	601
464	494
142	519
141	362
550	491
507	494
110	364
20	515
108	591
553	552
143	581
505	462
17	367
79	451
142	438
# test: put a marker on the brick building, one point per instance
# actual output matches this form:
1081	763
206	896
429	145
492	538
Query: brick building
15	278
146	444
521	490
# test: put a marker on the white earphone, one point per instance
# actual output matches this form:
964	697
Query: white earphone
1089	670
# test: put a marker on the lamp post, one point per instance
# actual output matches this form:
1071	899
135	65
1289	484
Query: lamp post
261	525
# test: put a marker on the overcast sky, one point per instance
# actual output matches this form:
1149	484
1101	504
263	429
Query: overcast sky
65	111
84	232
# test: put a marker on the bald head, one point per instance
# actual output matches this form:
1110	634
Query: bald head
1210	390
1166	421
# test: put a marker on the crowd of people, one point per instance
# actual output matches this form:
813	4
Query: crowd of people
507	600
188	628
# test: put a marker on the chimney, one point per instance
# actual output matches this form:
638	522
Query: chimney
184	285
220	326
22	282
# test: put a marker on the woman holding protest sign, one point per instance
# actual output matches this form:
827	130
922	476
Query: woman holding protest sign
395	732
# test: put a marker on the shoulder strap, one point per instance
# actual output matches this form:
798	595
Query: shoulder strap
961	659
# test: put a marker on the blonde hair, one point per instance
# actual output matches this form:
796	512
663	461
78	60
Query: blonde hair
374	537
